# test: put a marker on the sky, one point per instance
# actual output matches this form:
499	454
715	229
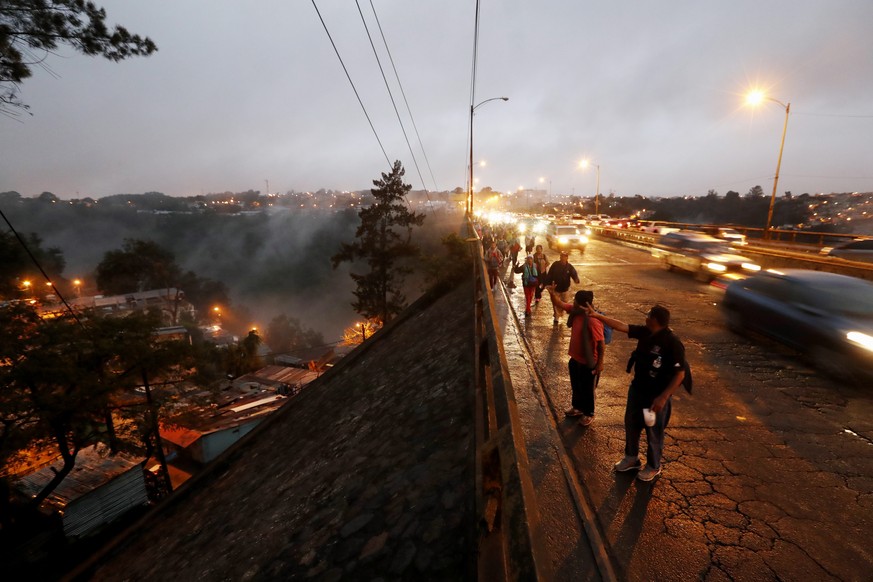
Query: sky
252	95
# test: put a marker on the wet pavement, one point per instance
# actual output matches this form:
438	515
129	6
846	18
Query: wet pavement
768	467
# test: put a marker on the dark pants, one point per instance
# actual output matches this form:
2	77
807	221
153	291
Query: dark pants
493	277
634	425
582	383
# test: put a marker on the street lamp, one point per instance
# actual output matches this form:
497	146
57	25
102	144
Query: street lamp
473	109
756	98
584	164
78	285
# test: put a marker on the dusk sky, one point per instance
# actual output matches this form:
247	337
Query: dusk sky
241	93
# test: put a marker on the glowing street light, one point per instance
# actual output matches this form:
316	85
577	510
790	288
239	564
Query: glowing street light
78	285
584	164
754	98
473	109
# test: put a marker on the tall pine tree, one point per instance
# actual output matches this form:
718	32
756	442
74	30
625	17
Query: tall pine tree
384	243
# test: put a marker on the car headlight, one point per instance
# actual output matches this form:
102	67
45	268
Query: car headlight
583	239
751	267
717	267
860	339
562	240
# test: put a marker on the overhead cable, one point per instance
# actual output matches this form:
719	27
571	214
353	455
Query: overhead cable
390	95
402	92
39	266
367	115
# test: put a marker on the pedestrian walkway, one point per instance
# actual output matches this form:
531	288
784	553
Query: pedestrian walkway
565	521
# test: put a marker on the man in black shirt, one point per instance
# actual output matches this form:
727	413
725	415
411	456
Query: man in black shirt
560	274
659	368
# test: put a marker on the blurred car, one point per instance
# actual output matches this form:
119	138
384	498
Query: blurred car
707	257
828	317
567	236
731	235
656	227
860	249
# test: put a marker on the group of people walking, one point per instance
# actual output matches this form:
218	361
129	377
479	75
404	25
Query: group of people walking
658	361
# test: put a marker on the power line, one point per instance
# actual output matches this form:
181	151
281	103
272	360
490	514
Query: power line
390	95
41	270
403	93
355	89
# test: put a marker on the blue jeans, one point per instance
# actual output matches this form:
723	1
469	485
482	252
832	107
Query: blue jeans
634	425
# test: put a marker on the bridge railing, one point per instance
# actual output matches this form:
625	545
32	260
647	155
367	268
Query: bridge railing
510	546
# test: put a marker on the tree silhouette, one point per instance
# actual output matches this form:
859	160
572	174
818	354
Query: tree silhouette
31	30
384	243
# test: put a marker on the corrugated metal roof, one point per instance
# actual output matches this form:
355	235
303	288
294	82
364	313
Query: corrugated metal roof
94	468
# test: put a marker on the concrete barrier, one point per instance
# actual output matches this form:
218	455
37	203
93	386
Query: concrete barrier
510	542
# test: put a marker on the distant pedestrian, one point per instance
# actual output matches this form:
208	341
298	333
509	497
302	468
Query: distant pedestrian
494	260
560	274
586	353
529	242
542	263
529	280
659	368
514	248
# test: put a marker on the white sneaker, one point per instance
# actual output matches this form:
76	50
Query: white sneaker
648	473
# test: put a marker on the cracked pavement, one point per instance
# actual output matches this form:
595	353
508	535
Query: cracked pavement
768	467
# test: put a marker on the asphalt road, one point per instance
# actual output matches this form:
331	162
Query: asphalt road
768	467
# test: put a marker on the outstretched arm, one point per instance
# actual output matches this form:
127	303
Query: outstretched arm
615	324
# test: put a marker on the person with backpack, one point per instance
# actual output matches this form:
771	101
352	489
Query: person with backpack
542	263
586	353
659	369
529	280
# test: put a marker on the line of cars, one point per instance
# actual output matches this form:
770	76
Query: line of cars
827	317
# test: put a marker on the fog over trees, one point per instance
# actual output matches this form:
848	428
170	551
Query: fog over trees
272	263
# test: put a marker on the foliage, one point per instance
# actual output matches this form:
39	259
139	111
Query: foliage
242	358
445	271
16	266
384	243
30	30
286	334
359	333
138	266
61	376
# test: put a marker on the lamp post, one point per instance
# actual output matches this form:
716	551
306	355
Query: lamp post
473	109
754	98
585	164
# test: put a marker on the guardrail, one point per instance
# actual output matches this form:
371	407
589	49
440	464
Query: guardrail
769	255
800	237
510	546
